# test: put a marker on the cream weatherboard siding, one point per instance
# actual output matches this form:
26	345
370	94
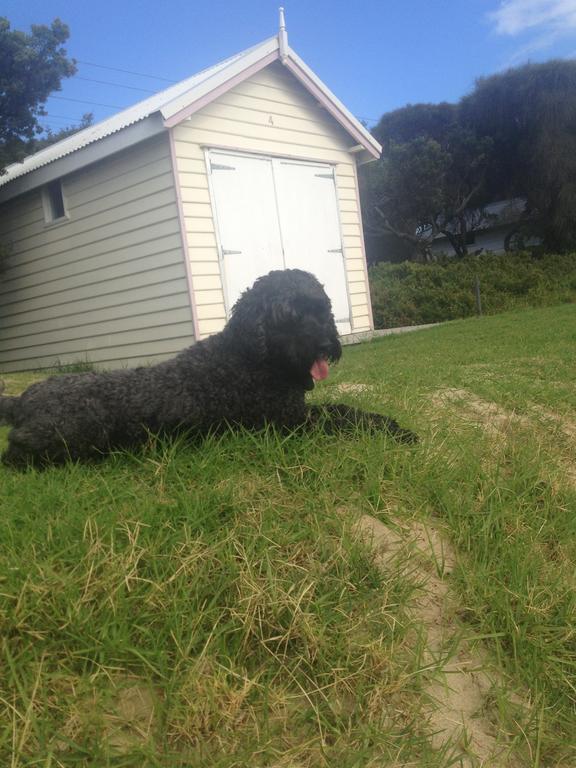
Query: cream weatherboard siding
270	114
108	285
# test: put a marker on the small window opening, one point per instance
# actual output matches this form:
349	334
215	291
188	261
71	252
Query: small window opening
54	201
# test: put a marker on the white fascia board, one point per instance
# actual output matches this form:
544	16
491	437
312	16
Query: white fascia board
116	142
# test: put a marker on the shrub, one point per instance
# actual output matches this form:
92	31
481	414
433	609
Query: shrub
415	294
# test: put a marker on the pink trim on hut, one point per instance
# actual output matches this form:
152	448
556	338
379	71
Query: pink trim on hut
330	107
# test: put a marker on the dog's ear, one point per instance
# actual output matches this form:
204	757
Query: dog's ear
248	326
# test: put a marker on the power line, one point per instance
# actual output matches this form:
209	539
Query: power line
116	85
102	82
125	71
60	117
92	103
56	127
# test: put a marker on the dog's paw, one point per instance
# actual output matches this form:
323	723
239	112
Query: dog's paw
406	436
386	424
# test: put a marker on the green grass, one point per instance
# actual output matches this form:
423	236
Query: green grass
216	606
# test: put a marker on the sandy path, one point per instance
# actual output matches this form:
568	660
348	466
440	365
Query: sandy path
461	677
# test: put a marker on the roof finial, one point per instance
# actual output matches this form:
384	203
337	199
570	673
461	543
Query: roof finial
283	37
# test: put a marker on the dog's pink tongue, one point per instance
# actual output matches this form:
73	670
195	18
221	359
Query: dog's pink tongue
319	370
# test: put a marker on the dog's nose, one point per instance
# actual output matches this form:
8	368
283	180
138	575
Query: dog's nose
331	349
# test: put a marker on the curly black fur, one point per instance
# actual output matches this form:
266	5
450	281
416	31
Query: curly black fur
255	372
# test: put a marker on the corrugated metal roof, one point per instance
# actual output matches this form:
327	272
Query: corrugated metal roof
183	91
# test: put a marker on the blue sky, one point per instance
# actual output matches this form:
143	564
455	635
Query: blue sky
376	55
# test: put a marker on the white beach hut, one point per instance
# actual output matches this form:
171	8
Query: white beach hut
133	237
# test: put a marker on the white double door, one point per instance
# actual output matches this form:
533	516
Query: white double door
277	214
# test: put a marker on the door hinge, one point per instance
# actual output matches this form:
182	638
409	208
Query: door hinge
226	252
220	167
324	175
335	250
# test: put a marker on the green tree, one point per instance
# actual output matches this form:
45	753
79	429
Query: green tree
430	180
400	191
32	66
529	112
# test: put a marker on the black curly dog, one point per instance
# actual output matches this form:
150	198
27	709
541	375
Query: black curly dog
255	372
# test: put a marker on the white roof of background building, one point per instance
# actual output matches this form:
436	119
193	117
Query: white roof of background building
172	103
